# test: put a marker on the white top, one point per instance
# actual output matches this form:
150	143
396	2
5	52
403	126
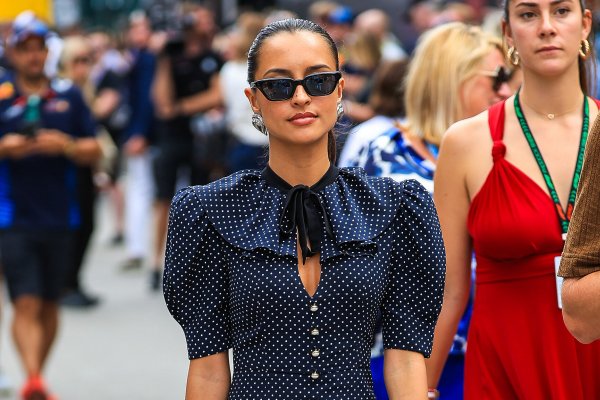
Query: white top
238	113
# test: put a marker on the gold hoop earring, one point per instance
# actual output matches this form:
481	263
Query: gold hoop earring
584	49
513	56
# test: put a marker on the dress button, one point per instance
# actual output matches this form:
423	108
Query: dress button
314	376
315	353
314	332
314	307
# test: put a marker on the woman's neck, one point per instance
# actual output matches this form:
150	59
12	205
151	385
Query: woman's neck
299	165
558	96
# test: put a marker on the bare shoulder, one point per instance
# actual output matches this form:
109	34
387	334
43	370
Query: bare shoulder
467	136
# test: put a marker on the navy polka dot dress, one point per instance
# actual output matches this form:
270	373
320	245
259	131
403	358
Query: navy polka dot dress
231	280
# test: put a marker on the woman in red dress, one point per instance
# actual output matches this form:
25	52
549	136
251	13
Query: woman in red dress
504	187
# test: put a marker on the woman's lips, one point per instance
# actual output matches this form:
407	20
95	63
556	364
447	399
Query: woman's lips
548	49
303	119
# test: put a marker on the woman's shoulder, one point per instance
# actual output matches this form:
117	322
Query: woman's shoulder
241	208
466	135
224	196
362	207
383	192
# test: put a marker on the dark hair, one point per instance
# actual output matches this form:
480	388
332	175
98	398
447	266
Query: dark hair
587	67
387	95
292	26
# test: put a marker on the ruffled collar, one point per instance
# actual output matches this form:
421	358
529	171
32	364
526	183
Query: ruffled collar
245	210
304	211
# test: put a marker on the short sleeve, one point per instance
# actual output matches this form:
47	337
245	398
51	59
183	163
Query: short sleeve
196	278
414	294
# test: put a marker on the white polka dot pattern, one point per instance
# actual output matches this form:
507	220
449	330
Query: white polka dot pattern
231	280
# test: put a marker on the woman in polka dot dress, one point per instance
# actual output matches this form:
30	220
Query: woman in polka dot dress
291	265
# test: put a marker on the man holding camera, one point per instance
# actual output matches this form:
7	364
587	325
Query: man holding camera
185	84
45	130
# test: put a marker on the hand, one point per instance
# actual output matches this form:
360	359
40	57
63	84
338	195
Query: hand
15	145
52	142
135	146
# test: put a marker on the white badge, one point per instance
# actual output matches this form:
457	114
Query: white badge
559	281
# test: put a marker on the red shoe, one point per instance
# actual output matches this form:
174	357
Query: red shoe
35	389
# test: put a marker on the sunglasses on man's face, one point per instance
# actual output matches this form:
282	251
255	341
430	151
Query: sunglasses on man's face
500	76
278	89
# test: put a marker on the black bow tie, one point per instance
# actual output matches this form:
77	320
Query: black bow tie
305	211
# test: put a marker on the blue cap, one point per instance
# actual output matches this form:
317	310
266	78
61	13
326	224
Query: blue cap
341	15
26	26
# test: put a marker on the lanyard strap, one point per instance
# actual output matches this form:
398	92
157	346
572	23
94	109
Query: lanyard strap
563	216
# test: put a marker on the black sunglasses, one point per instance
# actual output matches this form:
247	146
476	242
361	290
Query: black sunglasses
499	76
278	89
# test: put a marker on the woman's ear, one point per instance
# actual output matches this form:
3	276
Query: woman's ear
340	88
252	100
587	24
507	33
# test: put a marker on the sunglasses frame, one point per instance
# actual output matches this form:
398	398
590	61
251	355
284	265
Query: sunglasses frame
499	76
295	83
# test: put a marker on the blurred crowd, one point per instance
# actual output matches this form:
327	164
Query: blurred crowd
169	108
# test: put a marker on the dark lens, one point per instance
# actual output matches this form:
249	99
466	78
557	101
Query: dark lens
320	84
501	77
277	89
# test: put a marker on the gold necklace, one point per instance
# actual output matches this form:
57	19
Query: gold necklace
550	116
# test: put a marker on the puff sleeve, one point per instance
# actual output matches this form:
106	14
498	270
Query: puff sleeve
414	292
196	277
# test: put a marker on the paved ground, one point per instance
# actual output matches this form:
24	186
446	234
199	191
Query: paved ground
127	348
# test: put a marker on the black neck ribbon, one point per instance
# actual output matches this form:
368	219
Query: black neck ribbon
302	208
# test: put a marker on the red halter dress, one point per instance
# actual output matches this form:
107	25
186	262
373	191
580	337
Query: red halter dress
518	345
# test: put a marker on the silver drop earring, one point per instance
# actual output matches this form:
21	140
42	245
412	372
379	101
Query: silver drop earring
340	109
259	124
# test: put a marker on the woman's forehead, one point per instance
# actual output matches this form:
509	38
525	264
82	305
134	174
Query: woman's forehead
539	3
291	50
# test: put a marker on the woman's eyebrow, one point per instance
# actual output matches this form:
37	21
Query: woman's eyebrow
287	72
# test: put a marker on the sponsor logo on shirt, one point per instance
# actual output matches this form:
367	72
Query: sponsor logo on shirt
7	90
57	106
209	65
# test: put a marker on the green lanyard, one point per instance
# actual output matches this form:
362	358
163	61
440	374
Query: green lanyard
563	216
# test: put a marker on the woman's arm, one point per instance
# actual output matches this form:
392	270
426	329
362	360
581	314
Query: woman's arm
162	89
452	203
581	307
580	263
209	378
404	374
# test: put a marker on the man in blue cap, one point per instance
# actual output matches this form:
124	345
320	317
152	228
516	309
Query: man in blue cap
45	130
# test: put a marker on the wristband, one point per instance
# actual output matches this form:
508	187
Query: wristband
433	394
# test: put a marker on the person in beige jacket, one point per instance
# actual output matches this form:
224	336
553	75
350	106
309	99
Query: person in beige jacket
580	263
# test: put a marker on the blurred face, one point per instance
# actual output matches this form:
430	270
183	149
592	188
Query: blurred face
303	119
79	67
485	88
29	57
139	34
547	33
204	23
